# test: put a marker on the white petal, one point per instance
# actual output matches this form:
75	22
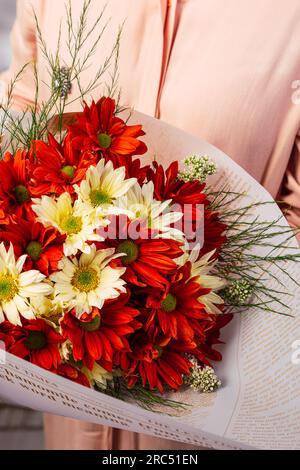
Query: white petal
11	313
20	303
69	268
35	289
28	314
30	277
69	248
2	318
60	276
20	263
95	300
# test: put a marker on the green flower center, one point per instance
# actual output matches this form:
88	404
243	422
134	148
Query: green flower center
98	197
69	171
8	288
140	211
91	325
34	250
36	340
104	140
159	349
85	279
21	194
169	303
130	249
71	225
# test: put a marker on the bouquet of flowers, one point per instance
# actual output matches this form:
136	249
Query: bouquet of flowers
119	267
112	273
106	275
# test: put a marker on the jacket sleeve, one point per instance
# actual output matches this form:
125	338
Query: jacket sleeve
290	192
24	50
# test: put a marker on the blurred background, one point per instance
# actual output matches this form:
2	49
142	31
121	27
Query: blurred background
8	11
19	428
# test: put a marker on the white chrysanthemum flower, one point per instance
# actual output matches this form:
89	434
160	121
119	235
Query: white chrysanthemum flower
70	220
140	201
66	350
17	287
88	281
200	270
101	187
98	376
45	307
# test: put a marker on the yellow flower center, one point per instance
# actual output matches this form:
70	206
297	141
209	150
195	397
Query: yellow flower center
99	197
104	140
8	288
34	250
71	225
169	303
85	279
69	171
21	194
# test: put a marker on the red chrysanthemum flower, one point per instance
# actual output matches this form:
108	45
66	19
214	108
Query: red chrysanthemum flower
15	186
209	336
176	310
133	168
167	186
6	336
59	167
98	128
97	336
194	205
43	245
214	233
156	364
37	342
148	261
71	373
